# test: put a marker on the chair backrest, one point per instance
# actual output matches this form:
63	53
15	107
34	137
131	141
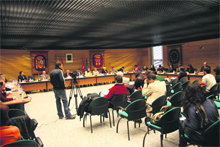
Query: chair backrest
211	134
214	89
158	103
185	84
169	122
177	98
177	87
136	109
15	113
183	80
119	100
174	81
168	90
22	143
218	88
136	95
98	106
195	81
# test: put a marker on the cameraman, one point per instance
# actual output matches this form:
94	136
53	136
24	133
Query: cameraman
58	82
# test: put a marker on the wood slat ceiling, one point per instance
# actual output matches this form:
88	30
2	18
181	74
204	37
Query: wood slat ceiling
105	24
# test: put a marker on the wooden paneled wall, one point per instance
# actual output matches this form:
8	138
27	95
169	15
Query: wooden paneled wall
197	52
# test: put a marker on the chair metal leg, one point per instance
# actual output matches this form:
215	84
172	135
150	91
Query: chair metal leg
100	118
161	139
139	125
110	119
113	119
134	124
165	135
84	119
118	125
144	138
128	130
91	123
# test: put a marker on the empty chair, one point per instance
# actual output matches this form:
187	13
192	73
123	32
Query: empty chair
169	122
98	106
134	111
174	81
177	87
183	80
195	81
23	143
185	84
117	102
136	95
176	99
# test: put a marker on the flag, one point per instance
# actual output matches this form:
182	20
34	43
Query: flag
87	66
83	67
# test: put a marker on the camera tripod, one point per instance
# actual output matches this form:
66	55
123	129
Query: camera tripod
76	91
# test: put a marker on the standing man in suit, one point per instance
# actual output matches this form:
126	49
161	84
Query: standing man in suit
22	77
58	82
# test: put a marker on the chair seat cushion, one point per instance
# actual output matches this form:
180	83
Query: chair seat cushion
153	125
169	103
123	114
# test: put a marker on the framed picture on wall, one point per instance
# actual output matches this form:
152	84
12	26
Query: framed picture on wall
175	55
69	58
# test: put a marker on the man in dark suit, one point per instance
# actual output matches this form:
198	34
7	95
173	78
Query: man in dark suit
22	77
205	65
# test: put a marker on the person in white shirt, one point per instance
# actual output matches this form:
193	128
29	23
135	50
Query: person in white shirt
208	79
95	72
155	88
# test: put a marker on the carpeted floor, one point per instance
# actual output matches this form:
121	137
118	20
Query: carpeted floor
70	133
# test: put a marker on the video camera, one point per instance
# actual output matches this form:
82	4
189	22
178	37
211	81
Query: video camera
74	74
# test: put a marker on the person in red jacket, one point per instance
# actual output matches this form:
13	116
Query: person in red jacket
118	88
8	134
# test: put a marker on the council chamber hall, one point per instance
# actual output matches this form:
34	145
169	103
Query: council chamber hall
105	73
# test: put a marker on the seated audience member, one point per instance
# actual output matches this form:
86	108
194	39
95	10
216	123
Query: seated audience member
208	79
118	88
155	88
104	70
8	134
22	77
160	69
95	72
217	74
124	79
199	113
88	73
113	71
139	81
182	73
190	68
152	68
171	69
136	68
44	76
144	69
67	74
2	76
3	93
121	69
205	65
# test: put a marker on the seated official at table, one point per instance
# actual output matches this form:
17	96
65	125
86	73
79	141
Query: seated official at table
182	73
8	134
88	73
2	76
95	72
112	70
190	69
155	88
152	68
118	88
144	69
160	68
121	69
4	93
205	65
22	77
136	68
171	69
104	70
208	79
44	76
67	74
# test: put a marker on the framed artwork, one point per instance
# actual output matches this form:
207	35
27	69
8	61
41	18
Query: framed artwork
69	58
174	55
39	62
97	59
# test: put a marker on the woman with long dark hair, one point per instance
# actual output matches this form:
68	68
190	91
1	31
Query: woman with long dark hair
199	113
